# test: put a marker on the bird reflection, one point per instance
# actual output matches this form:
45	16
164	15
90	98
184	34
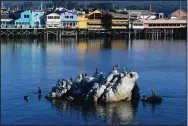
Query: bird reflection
151	105
113	113
39	97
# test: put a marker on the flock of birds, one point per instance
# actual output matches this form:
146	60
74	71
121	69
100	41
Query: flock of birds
61	84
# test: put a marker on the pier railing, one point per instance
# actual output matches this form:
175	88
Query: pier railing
10	26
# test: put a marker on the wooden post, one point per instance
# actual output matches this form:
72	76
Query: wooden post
135	34
146	33
129	35
57	34
76	36
47	35
157	33
60	35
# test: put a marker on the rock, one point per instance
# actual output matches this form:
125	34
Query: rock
121	90
115	87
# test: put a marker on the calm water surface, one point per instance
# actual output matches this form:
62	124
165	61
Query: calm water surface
25	64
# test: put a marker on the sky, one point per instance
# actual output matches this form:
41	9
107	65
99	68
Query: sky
133	2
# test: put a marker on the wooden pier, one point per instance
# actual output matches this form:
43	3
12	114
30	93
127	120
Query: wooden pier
58	33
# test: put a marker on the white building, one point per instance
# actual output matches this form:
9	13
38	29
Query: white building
53	20
137	24
142	14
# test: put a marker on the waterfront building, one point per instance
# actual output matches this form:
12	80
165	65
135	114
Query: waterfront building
38	19
119	21
141	14
165	24
180	13
121	10
25	21
82	21
53	20
173	13
136	24
6	21
69	20
98	20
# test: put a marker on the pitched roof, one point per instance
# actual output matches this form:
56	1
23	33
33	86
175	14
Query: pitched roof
54	14
96	11
143	12
174	13
70	12
118	15
168	11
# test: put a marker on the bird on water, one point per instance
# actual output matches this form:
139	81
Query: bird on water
39	91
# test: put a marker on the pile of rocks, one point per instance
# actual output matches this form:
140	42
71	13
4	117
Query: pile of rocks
116	86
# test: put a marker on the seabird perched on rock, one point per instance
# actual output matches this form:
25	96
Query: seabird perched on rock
39	91
153	92
26	98
115	67
97	71
71	79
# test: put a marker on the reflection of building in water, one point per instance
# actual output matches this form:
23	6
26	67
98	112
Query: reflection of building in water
90	46
82	47
140	45
120	44
97	44
68	43
53	48
94	45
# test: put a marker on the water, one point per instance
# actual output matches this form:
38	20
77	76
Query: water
25	64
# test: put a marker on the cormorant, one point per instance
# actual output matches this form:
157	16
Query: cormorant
39	91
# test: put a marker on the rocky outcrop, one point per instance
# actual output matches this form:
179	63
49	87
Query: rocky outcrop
98	88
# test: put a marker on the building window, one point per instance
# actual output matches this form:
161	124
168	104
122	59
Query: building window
71	16
64	24
56	17
70	24
50	17
66	16
26	16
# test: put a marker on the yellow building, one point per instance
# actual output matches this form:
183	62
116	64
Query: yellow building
98	20
82	21
103	20
119	21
